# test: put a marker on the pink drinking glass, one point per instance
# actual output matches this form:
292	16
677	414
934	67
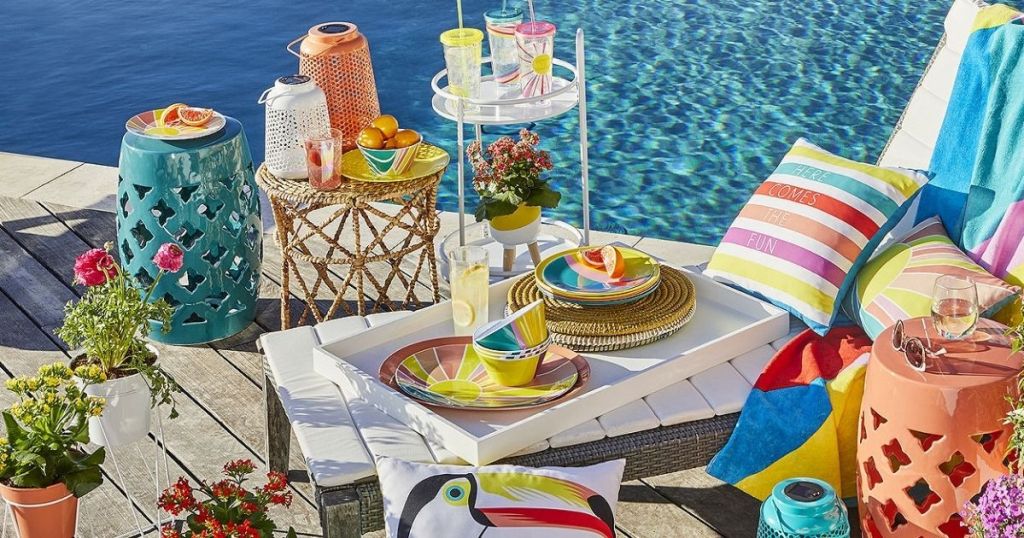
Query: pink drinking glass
323	160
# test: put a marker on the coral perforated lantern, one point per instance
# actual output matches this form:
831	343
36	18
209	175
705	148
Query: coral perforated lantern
337	57
296	109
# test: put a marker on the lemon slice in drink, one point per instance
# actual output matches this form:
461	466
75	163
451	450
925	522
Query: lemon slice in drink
463	313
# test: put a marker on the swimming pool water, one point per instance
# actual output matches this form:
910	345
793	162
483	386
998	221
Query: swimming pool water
691	103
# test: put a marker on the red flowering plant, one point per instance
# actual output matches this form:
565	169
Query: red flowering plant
230	510
510	175
111	320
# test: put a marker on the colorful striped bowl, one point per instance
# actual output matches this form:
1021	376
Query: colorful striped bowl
390	162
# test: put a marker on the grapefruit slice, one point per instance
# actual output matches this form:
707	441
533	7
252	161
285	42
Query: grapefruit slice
170	114
614	263
593	258
195	117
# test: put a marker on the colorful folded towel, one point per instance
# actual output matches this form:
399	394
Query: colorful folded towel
978	163
801	416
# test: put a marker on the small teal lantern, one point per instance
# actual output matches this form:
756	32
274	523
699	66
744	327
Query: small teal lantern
200	194
803	508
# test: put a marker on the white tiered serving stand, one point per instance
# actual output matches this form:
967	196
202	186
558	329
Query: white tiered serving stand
487	109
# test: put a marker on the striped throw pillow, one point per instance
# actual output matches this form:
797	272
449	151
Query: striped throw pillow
802	237
897	284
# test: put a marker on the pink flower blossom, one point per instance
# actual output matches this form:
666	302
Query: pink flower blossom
169	258
94	267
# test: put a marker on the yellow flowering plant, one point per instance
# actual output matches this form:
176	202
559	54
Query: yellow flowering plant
48	428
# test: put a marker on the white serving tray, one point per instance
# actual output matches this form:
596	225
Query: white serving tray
727	324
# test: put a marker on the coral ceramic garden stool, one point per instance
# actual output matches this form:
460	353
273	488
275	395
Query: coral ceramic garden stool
333	242
200	194
929	441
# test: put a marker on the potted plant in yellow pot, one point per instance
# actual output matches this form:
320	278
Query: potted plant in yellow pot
512	191
44	464
109	324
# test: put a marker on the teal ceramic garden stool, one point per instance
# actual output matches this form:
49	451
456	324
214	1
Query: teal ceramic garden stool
200	194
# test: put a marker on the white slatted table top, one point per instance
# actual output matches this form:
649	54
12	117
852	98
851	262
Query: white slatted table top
340	448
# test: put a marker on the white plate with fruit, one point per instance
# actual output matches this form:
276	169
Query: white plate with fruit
176	122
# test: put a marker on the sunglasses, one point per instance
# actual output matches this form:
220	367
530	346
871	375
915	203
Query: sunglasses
913	348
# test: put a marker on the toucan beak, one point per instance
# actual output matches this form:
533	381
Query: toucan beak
554	518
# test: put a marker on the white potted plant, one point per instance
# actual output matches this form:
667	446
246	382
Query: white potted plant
512	191
109	324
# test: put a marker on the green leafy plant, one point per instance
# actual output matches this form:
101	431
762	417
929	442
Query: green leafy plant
111	320
1015	417
510	176
48	428
229	509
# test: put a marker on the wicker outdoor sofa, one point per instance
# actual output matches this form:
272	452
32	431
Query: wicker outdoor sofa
351	508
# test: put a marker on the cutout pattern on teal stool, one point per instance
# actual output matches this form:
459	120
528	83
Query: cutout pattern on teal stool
202	195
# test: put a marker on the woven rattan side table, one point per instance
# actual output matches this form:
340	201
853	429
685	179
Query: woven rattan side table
348	238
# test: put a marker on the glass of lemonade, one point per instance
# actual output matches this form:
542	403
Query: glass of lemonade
955	306
470	277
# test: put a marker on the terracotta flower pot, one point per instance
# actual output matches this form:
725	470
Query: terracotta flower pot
519	227
49	512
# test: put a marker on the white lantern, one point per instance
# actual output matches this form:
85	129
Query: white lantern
296	109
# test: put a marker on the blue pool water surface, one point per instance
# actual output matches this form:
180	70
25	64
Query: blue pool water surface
691	102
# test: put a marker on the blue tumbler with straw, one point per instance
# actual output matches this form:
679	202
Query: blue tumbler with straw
803	508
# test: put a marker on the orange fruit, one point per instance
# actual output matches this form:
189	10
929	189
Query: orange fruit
170	114
193	116
391	144
614	263
406	137
371	138
387	125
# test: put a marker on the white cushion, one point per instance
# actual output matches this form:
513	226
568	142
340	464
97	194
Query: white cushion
327	435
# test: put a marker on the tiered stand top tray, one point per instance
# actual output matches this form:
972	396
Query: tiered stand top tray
727	324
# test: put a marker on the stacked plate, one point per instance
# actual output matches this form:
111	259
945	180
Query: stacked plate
570	277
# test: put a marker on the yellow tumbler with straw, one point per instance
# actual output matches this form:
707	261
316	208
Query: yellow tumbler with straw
463	51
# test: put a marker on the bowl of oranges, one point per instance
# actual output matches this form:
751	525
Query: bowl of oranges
387	149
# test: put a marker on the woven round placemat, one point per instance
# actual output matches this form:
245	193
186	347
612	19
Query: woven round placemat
607	328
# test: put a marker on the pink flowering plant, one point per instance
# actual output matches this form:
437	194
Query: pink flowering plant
227	508
111	320
999	511
509	175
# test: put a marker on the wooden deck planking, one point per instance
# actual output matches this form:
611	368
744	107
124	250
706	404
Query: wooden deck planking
196	422
221	413
239	350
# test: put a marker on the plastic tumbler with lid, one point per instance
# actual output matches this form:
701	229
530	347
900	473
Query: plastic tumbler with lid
536	44
501	36
462	55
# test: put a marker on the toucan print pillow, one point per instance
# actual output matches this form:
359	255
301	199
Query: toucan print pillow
428	501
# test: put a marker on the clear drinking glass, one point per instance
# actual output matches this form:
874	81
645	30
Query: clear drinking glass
536	44
955	306
323	160
463	51
470	276
501	36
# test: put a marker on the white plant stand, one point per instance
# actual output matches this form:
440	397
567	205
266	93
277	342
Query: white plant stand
142	527
488	109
